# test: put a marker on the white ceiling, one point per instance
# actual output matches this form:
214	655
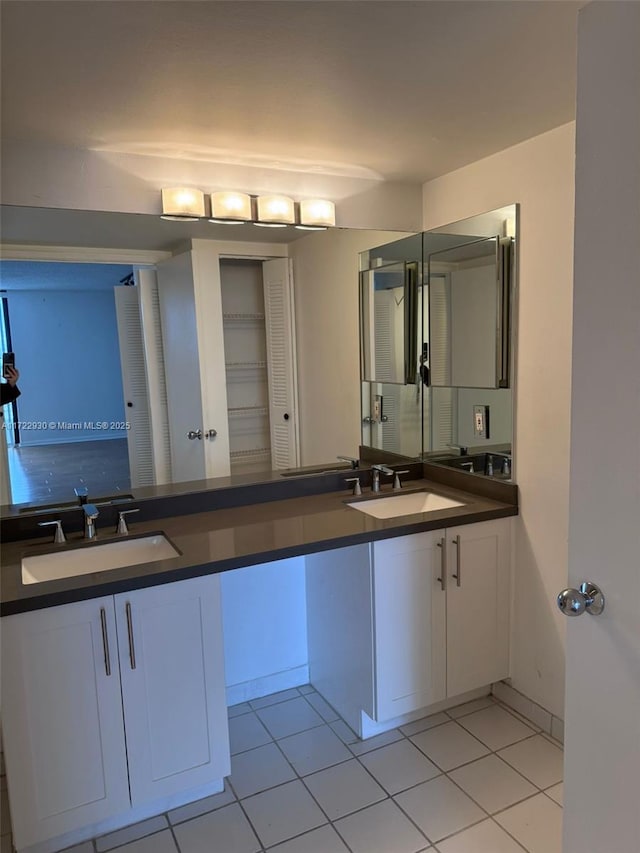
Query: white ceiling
35	275
388	89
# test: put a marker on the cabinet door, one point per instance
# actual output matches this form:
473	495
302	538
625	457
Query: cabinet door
173	687
62	719
477	605
409	623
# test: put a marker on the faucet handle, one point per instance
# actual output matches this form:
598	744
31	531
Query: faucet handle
357	490
91	511
355	463
59	537
82	493
396	480
122	522
464	450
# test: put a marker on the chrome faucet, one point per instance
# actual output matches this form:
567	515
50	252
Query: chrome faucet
376	470
90	515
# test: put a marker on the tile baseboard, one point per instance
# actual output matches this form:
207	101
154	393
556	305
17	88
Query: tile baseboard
275	682
545	720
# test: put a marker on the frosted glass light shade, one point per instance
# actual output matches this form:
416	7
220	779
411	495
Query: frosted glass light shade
275	210
317	213
182	203
230	206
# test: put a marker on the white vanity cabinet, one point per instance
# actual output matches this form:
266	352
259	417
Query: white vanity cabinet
404	623
112	704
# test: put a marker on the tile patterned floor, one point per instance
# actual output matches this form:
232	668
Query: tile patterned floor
475	779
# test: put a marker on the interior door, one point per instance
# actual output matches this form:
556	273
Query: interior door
193	347
134	385
281	361
602	716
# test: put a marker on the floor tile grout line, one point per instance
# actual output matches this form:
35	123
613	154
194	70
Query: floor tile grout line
512	837
174	836
248	819
131	840
271	704
301	779
467	713
520	773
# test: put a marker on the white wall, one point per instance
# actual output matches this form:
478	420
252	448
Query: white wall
264	613
325	275
37	175
539	175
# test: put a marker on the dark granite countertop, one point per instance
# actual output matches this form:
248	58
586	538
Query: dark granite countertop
231	538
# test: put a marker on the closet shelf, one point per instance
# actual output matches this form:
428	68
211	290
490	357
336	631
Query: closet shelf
254	453
246	365
243	318
249	412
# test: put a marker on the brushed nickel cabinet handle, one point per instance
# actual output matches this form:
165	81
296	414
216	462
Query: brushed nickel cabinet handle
105	641
458	574
132	650
442	580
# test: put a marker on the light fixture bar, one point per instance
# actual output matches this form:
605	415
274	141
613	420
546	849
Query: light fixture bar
230	207
317	213
182	203
275	210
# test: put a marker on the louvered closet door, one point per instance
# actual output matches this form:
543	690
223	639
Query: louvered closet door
134	385
281	363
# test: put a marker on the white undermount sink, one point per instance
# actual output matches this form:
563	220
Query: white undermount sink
409	504
96	558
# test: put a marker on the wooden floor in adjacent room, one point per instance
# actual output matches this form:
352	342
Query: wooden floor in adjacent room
49	473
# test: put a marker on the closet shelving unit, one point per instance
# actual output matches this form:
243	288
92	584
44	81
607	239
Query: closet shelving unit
246	366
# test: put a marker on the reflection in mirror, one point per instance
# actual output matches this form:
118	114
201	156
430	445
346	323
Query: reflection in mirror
68	331
469	287
70	360
389	322
456	390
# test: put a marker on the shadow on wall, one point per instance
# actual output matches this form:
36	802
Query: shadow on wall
538	628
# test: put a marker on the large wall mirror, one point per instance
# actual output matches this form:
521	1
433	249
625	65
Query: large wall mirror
437	339
67	323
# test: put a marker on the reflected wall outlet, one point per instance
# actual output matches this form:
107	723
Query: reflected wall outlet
481	421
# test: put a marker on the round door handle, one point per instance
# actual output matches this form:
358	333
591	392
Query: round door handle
130	404
194	434
211	433
286	416
574	602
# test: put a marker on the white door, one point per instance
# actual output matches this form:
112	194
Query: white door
134	386
602	716
173	687
281	361
62	719
409	624
478	602
193	349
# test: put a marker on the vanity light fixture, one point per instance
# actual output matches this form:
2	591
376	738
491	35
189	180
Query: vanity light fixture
183	204
275	211
317	214
230	208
